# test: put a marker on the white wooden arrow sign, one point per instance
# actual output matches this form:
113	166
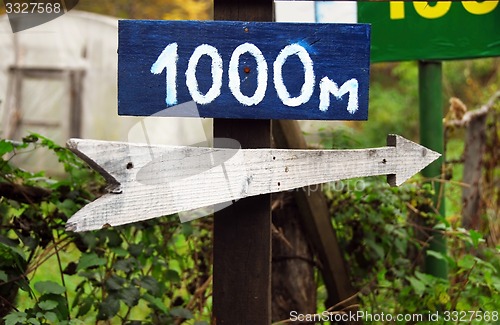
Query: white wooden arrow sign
148	181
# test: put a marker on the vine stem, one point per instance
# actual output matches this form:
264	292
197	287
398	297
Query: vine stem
56	249
466	280
45	256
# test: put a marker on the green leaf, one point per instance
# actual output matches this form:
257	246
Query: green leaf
33	321
486	264
119	251
76	322
172	276
68	207
115	283
31	138
45	287
496	284
417	285
85	306
109	308
51	317
61	311
114	239
466	262
25	286
426	279
476	238
136	249
125	265
440	256
47	304
150	284
130	296
378	248
14	250
182	313
156	302
90	260
440	226
187	229
15	318
3	276
5	146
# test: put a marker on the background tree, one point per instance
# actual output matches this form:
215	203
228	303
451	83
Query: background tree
154	9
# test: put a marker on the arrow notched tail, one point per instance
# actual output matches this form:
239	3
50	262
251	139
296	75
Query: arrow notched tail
411	158
391	142
72	144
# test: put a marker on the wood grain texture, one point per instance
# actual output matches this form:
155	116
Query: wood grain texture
242	232
294	266
338	51
150	181
242	241
475	144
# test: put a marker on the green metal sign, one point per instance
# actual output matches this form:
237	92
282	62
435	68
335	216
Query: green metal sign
436	30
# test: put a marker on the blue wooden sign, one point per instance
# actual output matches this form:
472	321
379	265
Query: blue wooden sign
244	69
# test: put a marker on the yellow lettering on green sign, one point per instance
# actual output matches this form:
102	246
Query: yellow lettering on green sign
397	9
425	10
480	8
440	8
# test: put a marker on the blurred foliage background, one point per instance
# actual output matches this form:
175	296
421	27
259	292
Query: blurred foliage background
154	9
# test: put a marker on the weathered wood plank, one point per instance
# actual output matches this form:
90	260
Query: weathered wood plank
153	180
255	70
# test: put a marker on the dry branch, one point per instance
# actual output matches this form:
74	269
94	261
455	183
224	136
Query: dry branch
468	116
23	193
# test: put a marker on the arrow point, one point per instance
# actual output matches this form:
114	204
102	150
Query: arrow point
410	158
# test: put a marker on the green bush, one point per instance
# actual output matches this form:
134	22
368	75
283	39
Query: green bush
154	272
382	232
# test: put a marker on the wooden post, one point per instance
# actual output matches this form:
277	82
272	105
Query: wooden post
242	232
475	143
293	280
315	217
